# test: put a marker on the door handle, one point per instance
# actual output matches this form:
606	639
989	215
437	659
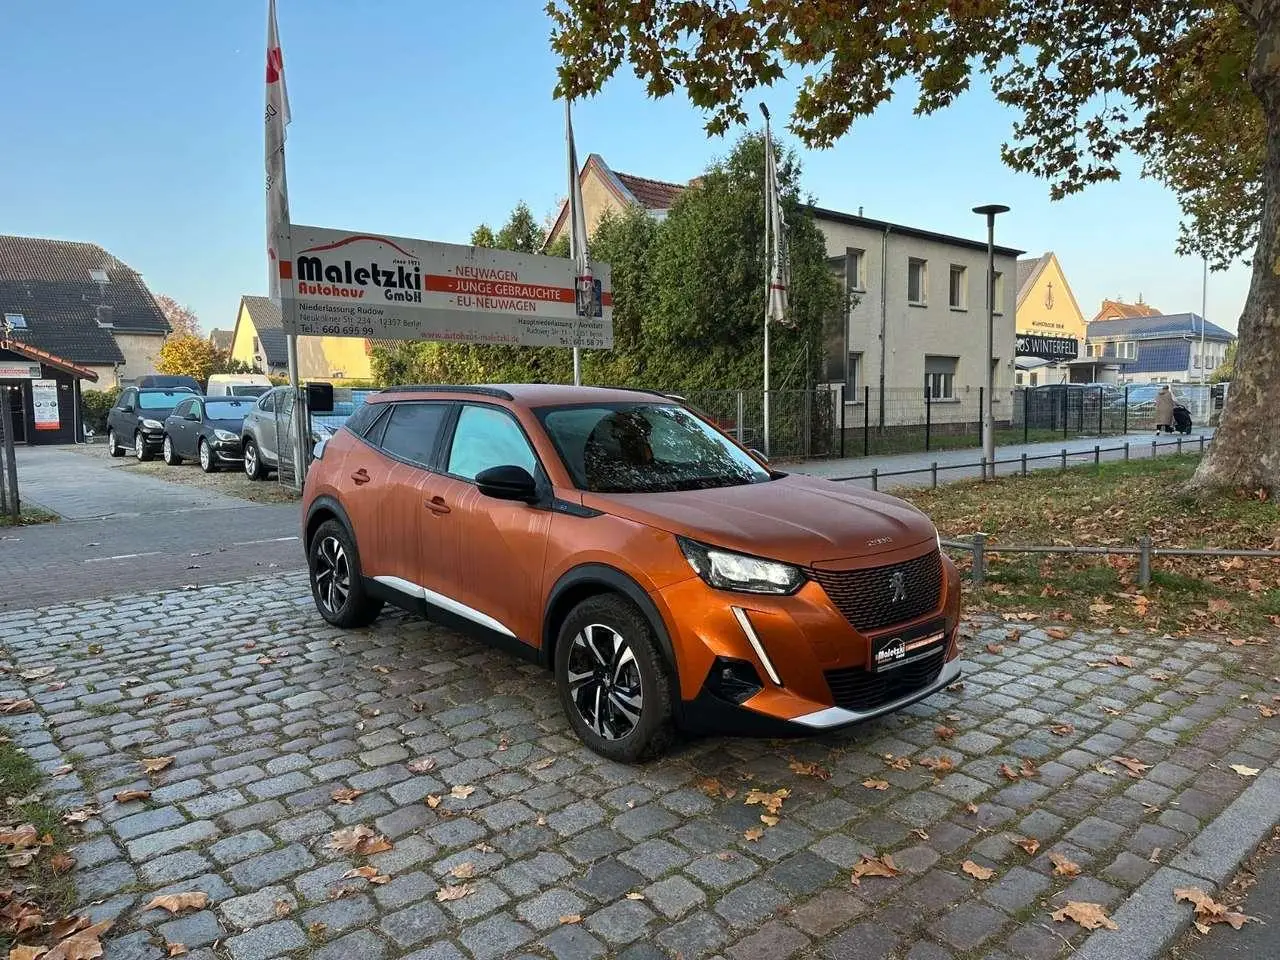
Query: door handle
437	505
361	476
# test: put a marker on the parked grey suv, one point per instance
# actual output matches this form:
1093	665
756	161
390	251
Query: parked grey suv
268	429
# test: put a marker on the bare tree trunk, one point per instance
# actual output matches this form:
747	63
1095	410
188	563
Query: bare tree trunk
1245	454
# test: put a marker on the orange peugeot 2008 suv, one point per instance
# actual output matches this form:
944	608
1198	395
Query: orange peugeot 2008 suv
668	577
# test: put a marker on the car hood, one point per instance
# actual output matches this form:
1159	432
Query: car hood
797	519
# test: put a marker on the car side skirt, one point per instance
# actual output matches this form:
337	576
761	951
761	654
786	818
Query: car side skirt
448	613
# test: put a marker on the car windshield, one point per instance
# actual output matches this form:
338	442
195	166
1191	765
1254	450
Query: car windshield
227	409
645	448
162	399
248	390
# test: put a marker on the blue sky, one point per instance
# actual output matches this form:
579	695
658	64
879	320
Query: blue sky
143	133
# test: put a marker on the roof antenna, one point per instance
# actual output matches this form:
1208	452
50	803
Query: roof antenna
859	209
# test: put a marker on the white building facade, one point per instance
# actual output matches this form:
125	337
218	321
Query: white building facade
918	319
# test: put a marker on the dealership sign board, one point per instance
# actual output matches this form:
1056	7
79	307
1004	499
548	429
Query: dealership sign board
11	370
1047	348
345	284
44	401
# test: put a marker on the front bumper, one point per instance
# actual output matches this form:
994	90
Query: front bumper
227	451
153	440
813	669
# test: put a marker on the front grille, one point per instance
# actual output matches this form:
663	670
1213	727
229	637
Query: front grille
857	689
865	597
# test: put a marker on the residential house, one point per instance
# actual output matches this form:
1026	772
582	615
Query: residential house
1119	310
917	320
221	340
80	304
606	191
1159	349
258	340
1049	323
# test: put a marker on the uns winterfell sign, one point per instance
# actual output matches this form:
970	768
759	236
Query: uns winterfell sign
1047	348
360	285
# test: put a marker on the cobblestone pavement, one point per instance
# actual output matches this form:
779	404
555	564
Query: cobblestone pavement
266	711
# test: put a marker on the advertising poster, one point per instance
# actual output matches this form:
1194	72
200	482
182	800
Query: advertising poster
44	398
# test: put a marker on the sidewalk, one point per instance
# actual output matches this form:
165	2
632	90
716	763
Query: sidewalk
963	464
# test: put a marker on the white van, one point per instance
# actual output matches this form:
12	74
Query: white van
238	385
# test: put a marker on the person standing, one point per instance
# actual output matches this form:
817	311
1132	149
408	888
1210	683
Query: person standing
1165	402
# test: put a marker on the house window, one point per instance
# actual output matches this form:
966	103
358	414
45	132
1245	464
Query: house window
1017	378
1035	379
940	377
15	321
257	346
997	283
853	378
917	281
958	288
1093	349
857	267
1128	350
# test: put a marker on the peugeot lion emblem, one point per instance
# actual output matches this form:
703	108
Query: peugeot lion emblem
897	587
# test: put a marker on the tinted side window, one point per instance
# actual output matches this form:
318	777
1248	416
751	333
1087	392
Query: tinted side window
360	421
486	438
126	398
268	402
413	430
182	409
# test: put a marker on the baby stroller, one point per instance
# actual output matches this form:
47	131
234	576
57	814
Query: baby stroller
1181	419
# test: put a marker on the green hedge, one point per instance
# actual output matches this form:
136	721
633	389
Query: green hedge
95	405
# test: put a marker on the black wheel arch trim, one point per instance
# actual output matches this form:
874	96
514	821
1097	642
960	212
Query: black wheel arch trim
329	505
614	580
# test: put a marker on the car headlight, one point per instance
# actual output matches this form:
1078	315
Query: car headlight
152	424
225	435
735	571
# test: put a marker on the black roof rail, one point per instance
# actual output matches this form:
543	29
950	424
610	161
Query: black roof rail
653	393
450	388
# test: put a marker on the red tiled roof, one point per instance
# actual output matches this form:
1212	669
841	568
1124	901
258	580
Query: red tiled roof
651	194
48	359
1119	310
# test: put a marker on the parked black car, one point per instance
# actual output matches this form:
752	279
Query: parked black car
138	417
168	382
208	429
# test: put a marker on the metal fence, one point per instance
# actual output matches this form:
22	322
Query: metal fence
1022	463
802	423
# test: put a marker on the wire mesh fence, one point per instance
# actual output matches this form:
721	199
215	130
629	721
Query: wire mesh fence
803	424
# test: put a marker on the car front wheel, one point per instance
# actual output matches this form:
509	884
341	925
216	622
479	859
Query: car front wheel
252	464
208	462
170	456
613	683
336	584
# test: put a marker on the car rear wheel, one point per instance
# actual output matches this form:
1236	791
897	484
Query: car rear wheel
252	463
208	463
170	457
113	444
613	683
140	450
336	583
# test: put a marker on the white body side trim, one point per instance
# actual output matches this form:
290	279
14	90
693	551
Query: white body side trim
420	592
838	716
745	623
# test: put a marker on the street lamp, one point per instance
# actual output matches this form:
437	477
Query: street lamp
990	211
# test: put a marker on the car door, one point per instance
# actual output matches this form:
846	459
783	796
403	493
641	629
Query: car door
393	527
265	427
124	417
490	557
191	426
175	424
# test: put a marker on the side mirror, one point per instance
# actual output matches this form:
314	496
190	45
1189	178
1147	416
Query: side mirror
758	455
193	416
128	408
507	482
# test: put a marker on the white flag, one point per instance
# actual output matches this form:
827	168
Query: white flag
277	118
778	260
584	283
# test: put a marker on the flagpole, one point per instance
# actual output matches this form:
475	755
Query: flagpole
768	273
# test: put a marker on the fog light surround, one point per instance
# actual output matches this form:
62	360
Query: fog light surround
734	680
